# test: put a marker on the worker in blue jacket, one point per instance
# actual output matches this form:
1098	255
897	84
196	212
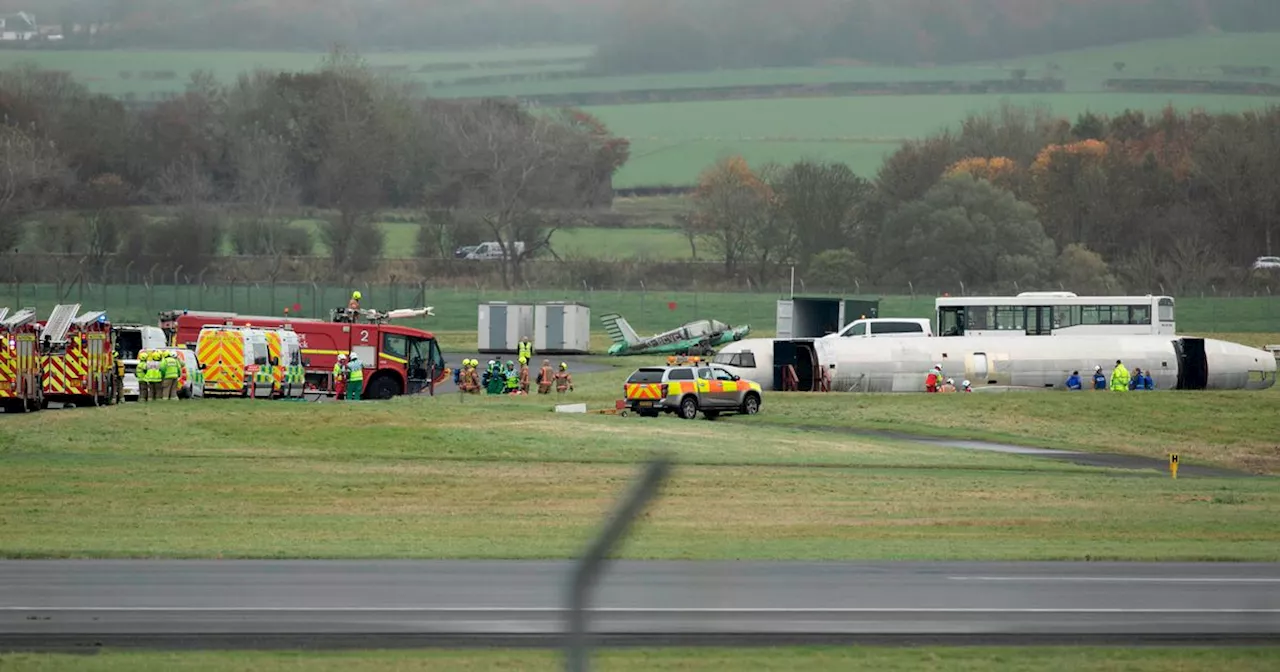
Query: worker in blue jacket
1099	378
1073	383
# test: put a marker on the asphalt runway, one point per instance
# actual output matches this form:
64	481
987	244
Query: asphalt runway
263	604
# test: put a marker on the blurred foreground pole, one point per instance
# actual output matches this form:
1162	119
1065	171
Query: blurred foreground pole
590	564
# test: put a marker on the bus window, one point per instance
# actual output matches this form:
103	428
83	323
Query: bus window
1139	314
1010	318
951	321
1166	310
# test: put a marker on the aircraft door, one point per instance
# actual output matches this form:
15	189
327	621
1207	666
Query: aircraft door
979	373
1193	364
784	355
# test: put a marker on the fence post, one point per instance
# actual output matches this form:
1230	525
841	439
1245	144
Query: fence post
587	570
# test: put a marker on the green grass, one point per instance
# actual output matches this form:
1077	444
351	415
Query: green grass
649	312
798	659
640	244
673	142
413	478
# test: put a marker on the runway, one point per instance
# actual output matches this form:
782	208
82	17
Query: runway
264	604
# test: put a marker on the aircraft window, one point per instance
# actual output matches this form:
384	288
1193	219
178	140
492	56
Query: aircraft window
721	374
747	360
857	330
1166	310
682	374
743	359
646	376
395	345
896	328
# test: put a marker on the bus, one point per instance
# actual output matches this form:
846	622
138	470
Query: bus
1054	314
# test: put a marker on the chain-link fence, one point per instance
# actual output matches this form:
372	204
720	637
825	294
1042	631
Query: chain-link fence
648	311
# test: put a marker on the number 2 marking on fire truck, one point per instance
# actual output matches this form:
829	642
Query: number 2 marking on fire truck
364	335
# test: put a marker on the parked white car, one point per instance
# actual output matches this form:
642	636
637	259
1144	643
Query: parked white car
1267	263
492	251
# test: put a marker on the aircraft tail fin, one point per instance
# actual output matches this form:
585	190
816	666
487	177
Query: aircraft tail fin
619	329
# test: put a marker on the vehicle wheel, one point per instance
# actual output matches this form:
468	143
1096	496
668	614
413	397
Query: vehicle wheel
689	408
751	405
711	415
383	387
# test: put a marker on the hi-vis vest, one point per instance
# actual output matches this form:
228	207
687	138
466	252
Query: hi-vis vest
526	350
355	374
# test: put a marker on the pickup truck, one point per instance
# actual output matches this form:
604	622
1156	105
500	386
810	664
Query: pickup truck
686	390
881	327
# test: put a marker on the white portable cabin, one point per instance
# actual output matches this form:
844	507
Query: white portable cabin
502	325
562	328
815	317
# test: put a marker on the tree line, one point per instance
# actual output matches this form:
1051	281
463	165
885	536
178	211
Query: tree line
1015	198
686	35
237	161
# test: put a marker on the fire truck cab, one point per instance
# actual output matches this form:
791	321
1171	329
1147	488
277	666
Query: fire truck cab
21	389
397	359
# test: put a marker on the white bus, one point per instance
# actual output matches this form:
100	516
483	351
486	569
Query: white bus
1054	313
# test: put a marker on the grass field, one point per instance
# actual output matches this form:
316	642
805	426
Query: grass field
673	142
418	482
811	659
649	312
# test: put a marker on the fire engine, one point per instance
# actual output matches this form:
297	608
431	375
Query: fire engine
20	386
76	357
397	359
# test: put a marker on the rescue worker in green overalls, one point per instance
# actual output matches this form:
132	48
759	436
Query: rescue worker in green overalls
512	377
497	381
355	377
170	374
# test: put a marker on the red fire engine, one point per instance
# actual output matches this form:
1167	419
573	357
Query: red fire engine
20	376
397	359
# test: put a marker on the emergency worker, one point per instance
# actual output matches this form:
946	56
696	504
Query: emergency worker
471	377
966	386
512	378
340	378
170	374
1135	382
117	380
140	374
524	375
545	376
1099	378
563	380
355	377
155	376
497	381
1073	382
525	349
948	387
1119	378
354	304
933	380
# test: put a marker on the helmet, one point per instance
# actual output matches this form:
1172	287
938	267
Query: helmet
524	360
1097	368
354	357
342	356
356	295
156	356
965	384
510	363
937	367
563	366
951	381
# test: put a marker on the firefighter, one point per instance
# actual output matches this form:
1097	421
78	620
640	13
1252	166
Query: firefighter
949	386
340	377
155	376
117	380
140	375
354	304
471	376
355	377
545	377
934	378
512	377
563	380
525	349
524	375
169	374
966	386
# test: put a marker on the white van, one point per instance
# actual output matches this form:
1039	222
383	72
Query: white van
131	339
193	386
880	327
492	251
234	361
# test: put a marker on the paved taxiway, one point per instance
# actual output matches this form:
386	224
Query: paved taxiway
68	604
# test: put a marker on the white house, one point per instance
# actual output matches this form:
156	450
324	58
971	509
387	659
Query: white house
18	27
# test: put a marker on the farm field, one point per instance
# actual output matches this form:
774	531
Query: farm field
648	312
673	142
798	659
418	483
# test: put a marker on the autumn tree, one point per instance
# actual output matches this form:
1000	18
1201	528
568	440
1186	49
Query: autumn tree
731	203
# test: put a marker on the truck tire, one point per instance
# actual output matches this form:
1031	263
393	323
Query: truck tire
689	408
750	405
383	387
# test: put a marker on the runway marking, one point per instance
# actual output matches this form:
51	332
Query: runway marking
1116	579
644	610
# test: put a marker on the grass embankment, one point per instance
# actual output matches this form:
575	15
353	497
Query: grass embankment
505	478
933	659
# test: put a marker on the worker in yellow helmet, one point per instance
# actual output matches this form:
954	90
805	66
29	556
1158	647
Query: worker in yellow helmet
563	380
354	303
524	375
169	374
155	376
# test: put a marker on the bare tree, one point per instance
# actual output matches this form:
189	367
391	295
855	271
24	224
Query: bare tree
265	187
512	169
31	171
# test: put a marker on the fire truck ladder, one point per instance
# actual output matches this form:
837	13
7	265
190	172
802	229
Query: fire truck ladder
18	319
88	318
55	330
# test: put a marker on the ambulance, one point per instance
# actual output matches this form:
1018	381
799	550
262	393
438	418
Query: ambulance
235	361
